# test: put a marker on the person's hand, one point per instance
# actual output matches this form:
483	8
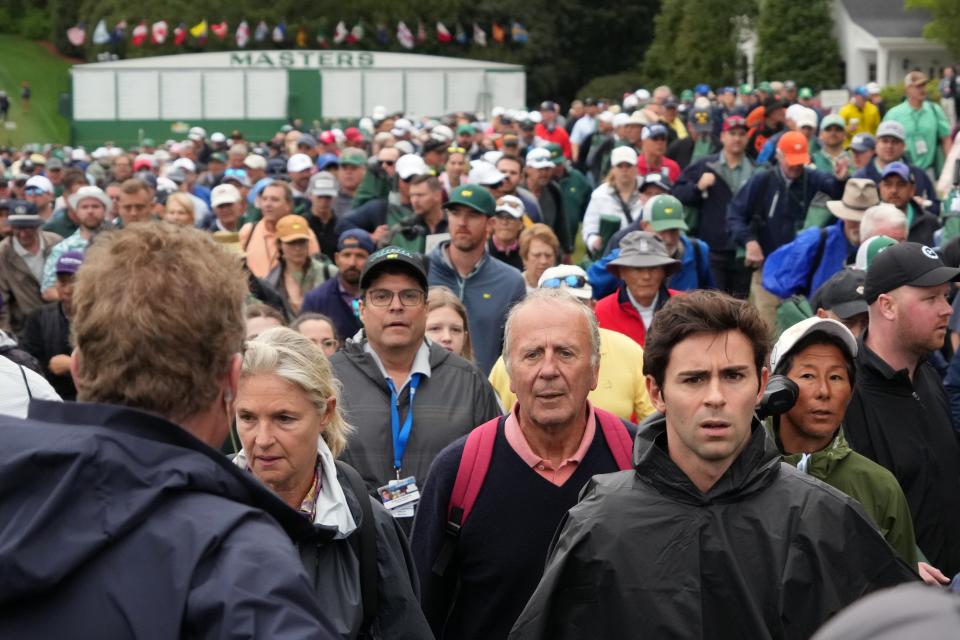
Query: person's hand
706	181
931	575
595	242
754	257
380	234
841	167
59	365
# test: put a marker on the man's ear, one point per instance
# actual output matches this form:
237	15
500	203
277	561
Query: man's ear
655	392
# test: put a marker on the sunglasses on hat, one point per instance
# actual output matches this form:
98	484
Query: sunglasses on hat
571	281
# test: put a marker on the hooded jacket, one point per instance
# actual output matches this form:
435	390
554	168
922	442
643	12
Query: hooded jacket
330	557
129	527
863	480
767	552
905	426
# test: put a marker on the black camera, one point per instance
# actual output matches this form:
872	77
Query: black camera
779	397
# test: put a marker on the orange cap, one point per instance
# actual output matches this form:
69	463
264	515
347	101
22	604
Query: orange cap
795	149
292	227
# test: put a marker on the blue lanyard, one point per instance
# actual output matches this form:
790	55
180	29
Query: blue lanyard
401	434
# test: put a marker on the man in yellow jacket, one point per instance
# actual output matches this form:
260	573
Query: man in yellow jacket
860	114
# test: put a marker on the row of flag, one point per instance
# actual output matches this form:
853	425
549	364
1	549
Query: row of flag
159	33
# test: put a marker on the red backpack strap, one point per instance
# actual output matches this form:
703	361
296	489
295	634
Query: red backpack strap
617	437
474	464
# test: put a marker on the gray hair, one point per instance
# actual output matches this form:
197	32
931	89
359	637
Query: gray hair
881	216
296	359
543	298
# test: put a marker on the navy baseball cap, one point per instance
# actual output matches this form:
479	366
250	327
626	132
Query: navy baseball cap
356	239
654	131
897	169
863	142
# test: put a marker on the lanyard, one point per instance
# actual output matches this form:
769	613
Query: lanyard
401	434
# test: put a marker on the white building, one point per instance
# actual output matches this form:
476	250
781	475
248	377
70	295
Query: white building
881	42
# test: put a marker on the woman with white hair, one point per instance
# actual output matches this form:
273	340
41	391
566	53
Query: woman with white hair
291	429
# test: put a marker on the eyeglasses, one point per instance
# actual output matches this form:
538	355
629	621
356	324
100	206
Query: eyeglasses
384	297
456	150
386	163
34	191
571	281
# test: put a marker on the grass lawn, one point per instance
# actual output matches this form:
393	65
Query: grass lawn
48	75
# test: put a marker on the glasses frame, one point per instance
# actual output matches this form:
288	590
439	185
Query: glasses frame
421	297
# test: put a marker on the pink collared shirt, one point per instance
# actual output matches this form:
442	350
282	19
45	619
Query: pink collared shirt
559	475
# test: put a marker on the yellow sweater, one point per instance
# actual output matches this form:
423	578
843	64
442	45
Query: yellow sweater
869	118
621	387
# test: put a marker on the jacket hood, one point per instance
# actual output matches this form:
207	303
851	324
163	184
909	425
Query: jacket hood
819	464
755	468
78	477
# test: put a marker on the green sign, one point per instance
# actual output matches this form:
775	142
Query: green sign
302	59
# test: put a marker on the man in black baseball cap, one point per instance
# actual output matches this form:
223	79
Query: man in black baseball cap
393	259
841	298
899	415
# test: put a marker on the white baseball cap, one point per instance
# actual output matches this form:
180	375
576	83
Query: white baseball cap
410	165
197	133
40	182
323	183
621	119
484	173
623	154
186	164
224	194
539	158
217	137
299	162
511	205
789	338
255	161
561	277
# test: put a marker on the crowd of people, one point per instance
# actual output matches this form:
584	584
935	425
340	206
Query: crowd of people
683	366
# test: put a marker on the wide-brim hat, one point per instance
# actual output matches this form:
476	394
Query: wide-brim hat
859	194
96	193
643	250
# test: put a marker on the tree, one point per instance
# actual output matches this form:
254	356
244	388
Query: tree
945	26
795	41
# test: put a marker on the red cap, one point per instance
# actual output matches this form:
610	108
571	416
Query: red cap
327	137
143	164
735	122
353	134
795	149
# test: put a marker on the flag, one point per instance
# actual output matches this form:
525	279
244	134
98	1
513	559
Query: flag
356	34
100	33
322	39
404	36
498	33
443	34
383	36
461	36
262	32
76	35
158	32
180	34
199	30
280	33
479	35
301	37
340	33
119	32
421	32
519	33
221	30
243	34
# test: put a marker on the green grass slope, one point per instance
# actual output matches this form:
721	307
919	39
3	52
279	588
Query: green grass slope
48	75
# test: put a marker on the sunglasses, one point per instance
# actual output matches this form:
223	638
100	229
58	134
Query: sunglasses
34	191
456	150
386	163
571	281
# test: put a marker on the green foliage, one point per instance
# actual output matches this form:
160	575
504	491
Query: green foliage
893	94
795	41
613	86
945	26
35	24
6	21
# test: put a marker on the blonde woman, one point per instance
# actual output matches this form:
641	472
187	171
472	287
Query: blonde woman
447	322
179	209
291	431
539	250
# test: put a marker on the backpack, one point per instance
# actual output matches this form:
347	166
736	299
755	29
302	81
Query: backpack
797	307
475	463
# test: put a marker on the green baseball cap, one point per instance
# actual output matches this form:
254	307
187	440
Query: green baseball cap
765	87
473	196
410	262
466	130
353	157
806	93
664	212
686	95
870	249
219	157
556	152
745	88
148	142
833	120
